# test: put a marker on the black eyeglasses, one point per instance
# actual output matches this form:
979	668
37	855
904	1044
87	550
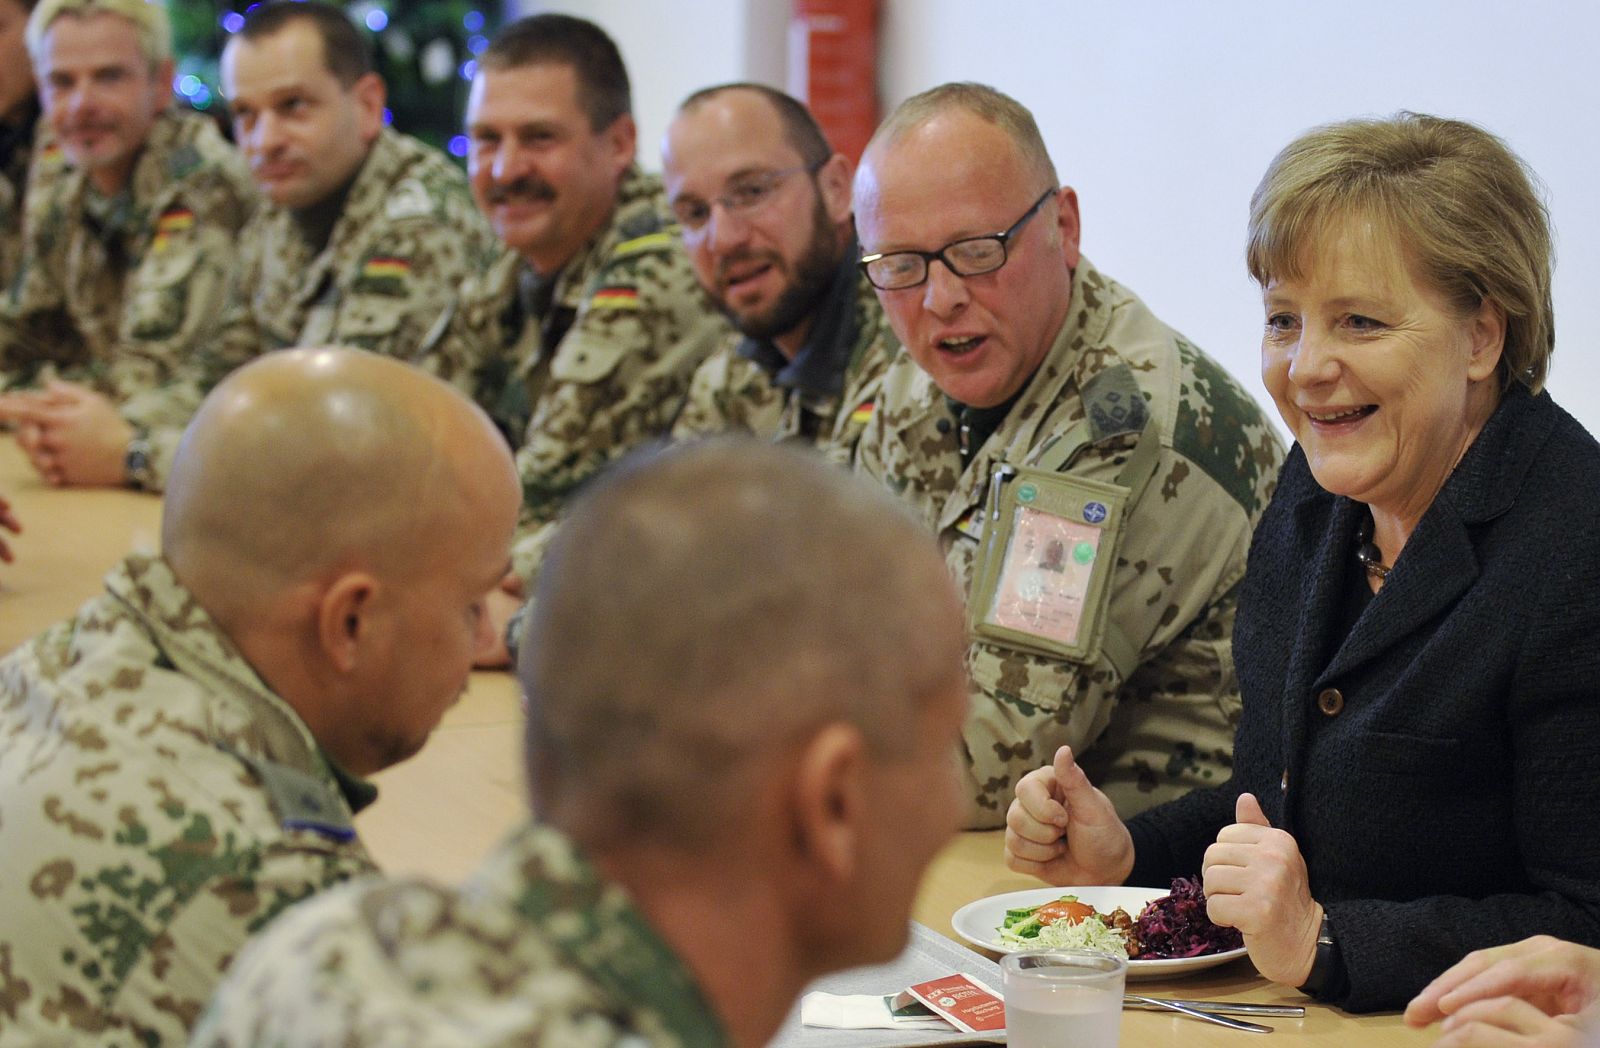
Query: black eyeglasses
744	197
967	257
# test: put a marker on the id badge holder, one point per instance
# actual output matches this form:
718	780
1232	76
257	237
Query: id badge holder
1044	567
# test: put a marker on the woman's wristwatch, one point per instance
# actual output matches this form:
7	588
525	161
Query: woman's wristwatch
1328	977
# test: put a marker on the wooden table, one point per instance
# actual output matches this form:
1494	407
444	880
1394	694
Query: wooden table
438	813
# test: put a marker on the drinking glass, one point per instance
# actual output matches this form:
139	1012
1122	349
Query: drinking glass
1063	998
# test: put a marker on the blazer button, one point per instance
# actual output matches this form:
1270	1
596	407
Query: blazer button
1283	787
1330	701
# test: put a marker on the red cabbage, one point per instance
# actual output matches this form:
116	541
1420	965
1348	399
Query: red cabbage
1176	925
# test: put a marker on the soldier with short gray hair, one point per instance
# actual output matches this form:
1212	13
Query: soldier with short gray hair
130	242
183	759
1094	477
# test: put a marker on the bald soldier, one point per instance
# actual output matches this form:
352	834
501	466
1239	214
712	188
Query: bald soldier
183	759
728	804
1093	476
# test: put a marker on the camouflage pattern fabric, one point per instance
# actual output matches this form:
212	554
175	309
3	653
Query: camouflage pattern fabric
1152	717
732	393
100	278
534	949
158	805
408	236
619	375
18	145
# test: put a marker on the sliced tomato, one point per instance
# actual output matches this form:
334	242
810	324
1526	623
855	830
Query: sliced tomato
1069	910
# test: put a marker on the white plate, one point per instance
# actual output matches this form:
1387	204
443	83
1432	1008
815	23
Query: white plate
977	922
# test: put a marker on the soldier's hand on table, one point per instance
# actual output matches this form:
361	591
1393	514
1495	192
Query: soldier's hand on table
71	434
1255	880
501	604
1064	831
8	521
1551	975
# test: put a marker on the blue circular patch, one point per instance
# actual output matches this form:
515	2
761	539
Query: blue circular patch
1095	512
1027	493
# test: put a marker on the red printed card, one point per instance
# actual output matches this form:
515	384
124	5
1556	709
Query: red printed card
964	1002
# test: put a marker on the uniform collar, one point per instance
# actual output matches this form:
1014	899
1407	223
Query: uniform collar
600	932
246	715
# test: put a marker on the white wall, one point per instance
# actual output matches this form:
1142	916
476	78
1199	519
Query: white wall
1163	115
674	47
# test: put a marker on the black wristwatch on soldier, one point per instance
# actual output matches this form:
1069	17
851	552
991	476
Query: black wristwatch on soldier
138	471
1328	976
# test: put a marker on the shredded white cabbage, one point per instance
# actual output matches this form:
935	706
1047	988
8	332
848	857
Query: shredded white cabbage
1089	934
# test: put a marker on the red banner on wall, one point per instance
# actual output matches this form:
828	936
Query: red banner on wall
833	68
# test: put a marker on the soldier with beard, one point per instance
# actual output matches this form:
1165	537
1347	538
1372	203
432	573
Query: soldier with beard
764	205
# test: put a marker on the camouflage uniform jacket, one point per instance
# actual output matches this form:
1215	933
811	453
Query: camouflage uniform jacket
534	950
1159	700
407	237
617	378
100	278
157	806
824	396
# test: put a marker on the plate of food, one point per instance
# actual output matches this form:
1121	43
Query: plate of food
1161	933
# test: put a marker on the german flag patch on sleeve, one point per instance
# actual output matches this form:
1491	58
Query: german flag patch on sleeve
384	275
172	221
615	297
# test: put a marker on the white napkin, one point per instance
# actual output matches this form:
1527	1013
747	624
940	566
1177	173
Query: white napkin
859	1011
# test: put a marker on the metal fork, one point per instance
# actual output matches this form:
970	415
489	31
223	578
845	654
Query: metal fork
1182	1009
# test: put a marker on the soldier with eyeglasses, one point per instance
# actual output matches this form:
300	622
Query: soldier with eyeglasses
764	205
1094	478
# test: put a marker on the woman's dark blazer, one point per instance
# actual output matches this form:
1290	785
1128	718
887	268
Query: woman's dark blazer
1439	766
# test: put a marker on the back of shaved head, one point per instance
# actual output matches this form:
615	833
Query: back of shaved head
709	606
312	461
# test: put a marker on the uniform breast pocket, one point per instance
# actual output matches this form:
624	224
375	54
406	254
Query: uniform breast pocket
598	346
169	279
370	322
1025	689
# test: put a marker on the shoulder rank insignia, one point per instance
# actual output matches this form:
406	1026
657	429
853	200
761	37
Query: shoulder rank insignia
184	159
641	245
302	801
409	200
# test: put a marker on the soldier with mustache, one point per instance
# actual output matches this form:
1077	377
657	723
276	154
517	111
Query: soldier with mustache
584	335
131	240
764	205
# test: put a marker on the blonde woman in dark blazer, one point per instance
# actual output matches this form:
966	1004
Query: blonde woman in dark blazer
1418	766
